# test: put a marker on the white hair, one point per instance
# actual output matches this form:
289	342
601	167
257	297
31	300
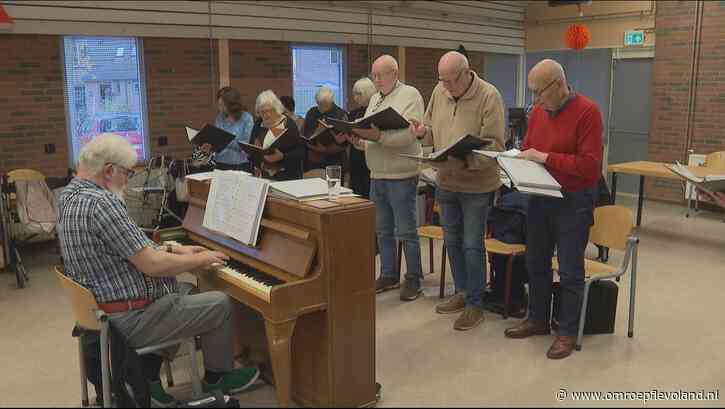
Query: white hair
365	88
324	94
107	148
268	97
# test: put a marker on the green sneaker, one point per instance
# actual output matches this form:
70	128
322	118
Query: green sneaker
159	397
233	382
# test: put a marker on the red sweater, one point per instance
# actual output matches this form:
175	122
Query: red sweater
573	140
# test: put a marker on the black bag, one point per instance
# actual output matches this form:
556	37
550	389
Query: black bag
601	307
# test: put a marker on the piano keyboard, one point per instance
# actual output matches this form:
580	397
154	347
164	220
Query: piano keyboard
257	282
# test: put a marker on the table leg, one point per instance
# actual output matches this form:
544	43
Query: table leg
640	200
614	187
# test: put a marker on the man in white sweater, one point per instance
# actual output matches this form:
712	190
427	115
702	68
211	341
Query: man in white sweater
394	179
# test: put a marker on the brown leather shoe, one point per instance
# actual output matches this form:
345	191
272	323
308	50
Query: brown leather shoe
527	328
562	347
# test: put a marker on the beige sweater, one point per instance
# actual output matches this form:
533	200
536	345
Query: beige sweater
479	112
382	156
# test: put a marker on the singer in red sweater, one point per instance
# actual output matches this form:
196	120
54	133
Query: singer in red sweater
565	134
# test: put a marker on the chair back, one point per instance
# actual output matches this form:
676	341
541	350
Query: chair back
25	174
715	160
314	173
612	227
82	300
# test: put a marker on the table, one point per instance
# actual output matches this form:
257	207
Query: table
651	169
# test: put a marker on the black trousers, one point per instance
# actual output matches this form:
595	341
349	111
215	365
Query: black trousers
562	224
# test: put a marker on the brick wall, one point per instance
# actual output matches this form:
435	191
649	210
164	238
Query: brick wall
32	110
421	69
671	77
255	66
359	65
181	82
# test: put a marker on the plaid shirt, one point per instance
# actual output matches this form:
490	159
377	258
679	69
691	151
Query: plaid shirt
96	239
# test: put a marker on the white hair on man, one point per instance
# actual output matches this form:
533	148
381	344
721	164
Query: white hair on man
268	98
324	94
104	149
363	89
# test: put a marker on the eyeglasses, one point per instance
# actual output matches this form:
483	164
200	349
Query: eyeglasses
128	172
449	81
374	76
537	93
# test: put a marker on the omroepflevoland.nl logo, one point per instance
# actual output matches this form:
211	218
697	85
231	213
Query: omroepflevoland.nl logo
642	396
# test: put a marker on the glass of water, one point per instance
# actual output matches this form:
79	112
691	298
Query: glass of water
334	181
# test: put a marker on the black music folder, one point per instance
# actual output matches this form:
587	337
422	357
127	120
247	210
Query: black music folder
458	149
283	141
385	120
217	138
324	134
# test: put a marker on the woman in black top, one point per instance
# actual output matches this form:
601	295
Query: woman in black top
285	163
362	91
318	155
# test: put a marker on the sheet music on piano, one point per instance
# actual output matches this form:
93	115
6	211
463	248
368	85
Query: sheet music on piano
235	205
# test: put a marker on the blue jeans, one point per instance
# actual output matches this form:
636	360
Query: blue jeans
463	216
395	219
563	223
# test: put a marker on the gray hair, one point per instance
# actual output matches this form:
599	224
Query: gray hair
107	148
365	88
268	97
324	94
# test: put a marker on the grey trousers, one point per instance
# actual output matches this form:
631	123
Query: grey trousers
209	315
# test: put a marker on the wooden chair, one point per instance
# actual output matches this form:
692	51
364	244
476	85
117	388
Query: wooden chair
430	232
91	318
613	228
314	173
713	160
497	247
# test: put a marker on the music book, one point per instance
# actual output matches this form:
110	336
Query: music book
304	189
458	149
203	176
283	140
217	138
324	134
525	175
235	205
712	183
385	120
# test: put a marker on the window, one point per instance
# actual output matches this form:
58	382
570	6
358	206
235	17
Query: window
98	71
315	66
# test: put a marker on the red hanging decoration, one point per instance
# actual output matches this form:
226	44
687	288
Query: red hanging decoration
5	20
577	36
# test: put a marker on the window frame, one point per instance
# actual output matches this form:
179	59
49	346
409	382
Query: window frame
143	104
342	61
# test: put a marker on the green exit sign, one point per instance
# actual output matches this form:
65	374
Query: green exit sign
633	38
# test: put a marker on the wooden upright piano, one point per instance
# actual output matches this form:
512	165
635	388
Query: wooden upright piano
311	277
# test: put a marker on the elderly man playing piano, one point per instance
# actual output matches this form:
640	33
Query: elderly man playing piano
133	279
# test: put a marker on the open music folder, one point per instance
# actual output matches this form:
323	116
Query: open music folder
711	183
385	120
235	205
324	134
458	149
216	137
283	140
525	175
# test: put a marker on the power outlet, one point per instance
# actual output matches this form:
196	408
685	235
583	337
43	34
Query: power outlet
49	148
163	141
